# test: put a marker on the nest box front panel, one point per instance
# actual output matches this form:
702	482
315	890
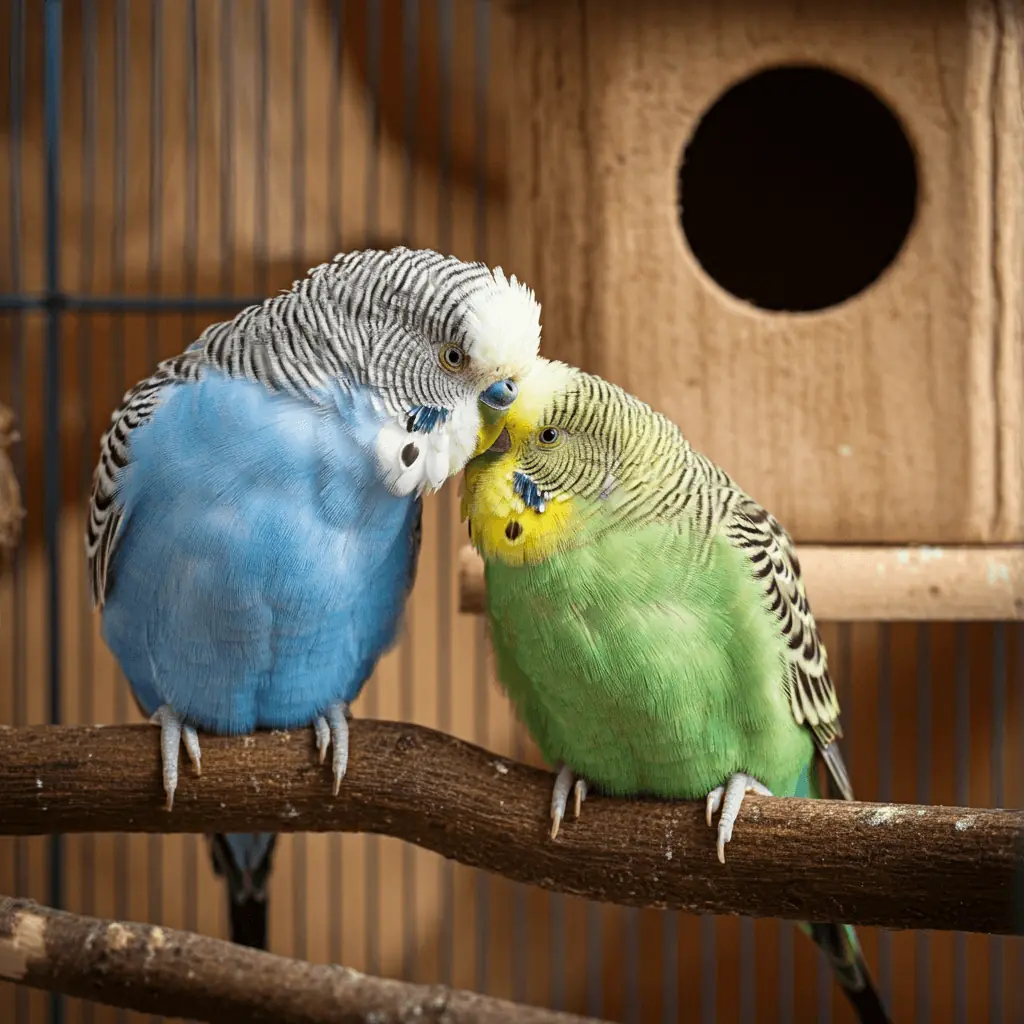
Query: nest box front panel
796	230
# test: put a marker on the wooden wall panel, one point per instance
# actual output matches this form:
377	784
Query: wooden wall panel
415	916
877	420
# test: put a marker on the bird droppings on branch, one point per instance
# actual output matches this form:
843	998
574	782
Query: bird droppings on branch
180	974
897	866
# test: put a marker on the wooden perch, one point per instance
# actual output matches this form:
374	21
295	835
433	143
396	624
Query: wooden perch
820	860
181	974
875	584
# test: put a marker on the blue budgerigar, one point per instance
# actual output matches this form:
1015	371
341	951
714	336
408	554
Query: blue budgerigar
255	520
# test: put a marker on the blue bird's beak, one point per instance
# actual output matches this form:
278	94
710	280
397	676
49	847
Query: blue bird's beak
500	395
494	404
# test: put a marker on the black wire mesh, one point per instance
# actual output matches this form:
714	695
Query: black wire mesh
304	100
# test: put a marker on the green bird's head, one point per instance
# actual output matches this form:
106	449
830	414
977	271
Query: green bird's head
576	453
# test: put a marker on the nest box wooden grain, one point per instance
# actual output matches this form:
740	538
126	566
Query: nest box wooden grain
798	230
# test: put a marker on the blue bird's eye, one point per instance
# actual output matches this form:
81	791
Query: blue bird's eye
452	357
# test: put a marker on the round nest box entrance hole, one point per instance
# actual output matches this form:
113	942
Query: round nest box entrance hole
797	189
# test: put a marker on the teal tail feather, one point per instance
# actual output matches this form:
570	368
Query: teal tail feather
842	950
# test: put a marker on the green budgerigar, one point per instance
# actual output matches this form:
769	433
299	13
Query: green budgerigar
648	618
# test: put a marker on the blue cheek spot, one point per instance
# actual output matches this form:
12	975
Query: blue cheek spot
533	497
424	418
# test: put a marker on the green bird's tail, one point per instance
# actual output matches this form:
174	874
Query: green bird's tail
839	944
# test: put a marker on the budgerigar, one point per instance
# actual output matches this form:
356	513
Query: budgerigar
255	520
648	618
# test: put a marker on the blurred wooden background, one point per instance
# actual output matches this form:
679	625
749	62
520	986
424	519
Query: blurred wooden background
222	148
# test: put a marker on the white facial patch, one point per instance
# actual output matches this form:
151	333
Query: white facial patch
413	462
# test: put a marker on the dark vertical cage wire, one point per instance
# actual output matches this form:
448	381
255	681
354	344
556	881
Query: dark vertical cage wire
407	653
556	925
51	404
481	84
962	760
18	567
87	452
922	959
156	178
997	1001
787	991
300	887
708	969
190	851
748	976
155	843
119	369
631	964
669	971
595	958
261	212
334	171
446	57
885	783
227	148
373	99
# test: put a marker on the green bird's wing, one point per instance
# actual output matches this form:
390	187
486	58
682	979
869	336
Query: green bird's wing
809	687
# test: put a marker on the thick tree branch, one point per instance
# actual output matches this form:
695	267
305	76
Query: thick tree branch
892	865
181	974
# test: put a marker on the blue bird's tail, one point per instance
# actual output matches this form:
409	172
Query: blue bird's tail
244	860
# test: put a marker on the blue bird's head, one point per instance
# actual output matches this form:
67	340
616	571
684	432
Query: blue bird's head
463	336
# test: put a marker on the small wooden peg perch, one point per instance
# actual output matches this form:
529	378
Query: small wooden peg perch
181	974
898	866
862	583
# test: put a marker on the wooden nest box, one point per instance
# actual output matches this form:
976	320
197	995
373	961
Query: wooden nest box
798	230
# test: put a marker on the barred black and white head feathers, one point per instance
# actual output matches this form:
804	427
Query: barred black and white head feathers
426	335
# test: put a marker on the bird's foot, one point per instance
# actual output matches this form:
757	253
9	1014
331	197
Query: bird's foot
729	798
174	732
567	780
333	728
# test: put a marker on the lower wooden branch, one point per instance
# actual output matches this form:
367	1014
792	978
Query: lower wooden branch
897	866
181	974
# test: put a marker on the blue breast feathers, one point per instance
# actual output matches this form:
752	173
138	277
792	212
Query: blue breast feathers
262	567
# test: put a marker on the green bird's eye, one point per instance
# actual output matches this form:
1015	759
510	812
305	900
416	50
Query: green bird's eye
549	437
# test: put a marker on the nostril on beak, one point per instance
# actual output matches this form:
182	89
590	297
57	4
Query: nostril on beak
501	394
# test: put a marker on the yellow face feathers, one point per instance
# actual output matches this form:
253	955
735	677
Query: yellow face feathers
491	422
510	519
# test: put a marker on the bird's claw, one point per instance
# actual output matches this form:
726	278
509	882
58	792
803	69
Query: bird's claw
173	733
566	781
730	798
333	728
